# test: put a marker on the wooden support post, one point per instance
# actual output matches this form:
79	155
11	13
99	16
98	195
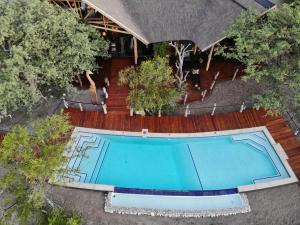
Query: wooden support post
135	47
195	49
210	57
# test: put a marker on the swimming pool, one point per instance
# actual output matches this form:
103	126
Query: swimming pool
175	162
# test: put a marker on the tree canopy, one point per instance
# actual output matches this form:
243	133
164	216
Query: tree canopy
152	85
30	158
269	47
42	49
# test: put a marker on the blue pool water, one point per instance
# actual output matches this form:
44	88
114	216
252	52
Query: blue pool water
209	163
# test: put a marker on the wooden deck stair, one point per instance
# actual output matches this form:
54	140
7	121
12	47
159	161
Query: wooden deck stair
117	100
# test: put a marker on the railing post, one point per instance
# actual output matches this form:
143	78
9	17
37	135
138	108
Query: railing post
106	81
235	73
242	107
131	112
66	105
80	106
187	111
105	92
104	107
185	98
212	85
217	75
159	113
203	94
214	109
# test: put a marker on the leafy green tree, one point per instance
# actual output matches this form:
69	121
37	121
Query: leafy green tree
161	49
269	47
42	49
30	158
152	86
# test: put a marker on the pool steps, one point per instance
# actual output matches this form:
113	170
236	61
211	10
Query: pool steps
259	142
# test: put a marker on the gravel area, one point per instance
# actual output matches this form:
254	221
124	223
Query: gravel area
277	206
228	95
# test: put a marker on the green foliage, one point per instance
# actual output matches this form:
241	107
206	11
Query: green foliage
269	47
31	157
42	49
60	217
161	49
271	101
152	85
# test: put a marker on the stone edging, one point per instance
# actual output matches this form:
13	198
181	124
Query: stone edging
176	213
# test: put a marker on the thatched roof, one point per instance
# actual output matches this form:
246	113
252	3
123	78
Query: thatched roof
201	21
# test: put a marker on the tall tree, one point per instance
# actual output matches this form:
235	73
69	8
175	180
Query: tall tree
42	49
269	47
181	51
30	158
152	86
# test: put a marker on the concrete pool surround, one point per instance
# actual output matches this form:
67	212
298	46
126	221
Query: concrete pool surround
242	190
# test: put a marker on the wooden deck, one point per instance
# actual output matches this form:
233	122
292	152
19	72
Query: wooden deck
201	123
117	95
226	70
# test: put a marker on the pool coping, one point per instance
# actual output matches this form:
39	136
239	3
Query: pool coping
144	133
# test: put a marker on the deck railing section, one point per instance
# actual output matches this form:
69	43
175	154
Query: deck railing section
185	111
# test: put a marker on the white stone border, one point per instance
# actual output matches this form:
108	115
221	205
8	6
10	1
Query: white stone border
177	213
252	187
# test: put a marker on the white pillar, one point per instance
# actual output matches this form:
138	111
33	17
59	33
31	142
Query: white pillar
242	107
187	111
185	98
106	81
214	109
212	85
65	103
80	106
105	92
217	75
131	112
104	107
203	95
235	73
